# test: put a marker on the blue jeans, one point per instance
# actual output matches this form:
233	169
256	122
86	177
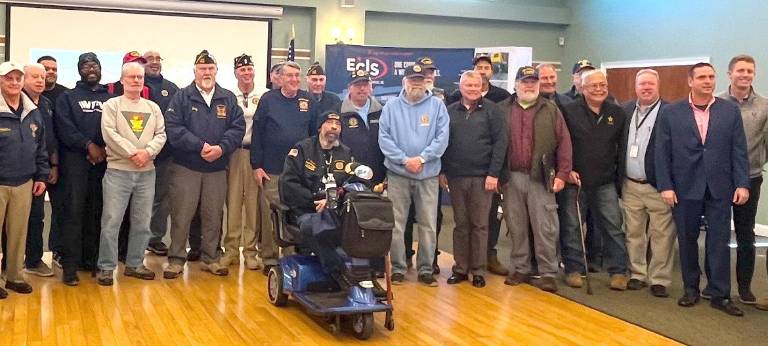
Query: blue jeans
603	203
119	188
423	193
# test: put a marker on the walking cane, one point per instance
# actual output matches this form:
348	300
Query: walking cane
583	232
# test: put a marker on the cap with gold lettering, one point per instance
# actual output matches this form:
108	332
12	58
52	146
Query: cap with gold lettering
243	60
330	115
527	72
582	65
204	58
315	70
360	74
426	63
414	71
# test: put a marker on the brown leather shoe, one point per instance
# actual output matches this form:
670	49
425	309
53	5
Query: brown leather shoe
762	304
495	267
659	291
516	279
574	280
619	282
547	284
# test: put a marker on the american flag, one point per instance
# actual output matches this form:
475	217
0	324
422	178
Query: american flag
292	45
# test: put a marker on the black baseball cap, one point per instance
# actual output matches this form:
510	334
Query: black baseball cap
426	63
414	71
582	64
482	57
526	72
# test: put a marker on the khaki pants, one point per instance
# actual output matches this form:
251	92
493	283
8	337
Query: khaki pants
648	220
268	250
15	202
244	220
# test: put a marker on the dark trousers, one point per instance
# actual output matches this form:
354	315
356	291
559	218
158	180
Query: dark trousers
81	213
470	204
323	241
55	194
744	224
687	214
408	234
494	225
594	243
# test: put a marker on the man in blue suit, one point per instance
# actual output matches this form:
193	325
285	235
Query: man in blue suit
701	168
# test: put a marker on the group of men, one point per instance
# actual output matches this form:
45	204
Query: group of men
119	159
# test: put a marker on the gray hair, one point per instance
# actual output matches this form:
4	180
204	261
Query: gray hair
587	74
36	65
130	66
649	71
470	74
292	64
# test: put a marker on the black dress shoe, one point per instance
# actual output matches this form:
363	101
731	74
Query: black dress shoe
726	305
3	294
19	287
635	284
193	255
659	291
688	300
70	279
478	281
457	278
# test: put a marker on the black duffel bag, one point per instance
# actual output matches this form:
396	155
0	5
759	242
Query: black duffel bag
366	224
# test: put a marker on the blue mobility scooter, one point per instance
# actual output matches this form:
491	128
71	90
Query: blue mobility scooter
366	223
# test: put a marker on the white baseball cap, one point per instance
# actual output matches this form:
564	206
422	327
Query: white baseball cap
8	67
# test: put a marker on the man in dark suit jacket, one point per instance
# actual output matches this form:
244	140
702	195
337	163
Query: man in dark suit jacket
647	220
701	167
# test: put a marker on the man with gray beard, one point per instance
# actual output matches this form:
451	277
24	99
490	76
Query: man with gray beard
413	134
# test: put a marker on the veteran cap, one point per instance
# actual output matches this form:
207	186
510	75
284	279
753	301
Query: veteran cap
243	60
360	74
482	57
426	63
414	71
329	115
204	58
315	70
582	64
527	72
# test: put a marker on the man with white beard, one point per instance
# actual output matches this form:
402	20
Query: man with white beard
205	126
539	163
413	134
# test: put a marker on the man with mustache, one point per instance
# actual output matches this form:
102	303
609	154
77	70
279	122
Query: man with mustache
754	114
597	132
702	169
413	134
83	162
538	166
205	126
284	117
308	168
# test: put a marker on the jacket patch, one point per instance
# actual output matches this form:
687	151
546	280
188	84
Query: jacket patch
338	165
5	130
221	111
33	127
294	152
303	105
424	120
194	109
310	165
164	93
353	123
610	120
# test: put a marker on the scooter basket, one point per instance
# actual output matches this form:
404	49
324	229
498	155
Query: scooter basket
366	225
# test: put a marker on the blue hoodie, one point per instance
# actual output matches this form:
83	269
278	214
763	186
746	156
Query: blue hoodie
414	129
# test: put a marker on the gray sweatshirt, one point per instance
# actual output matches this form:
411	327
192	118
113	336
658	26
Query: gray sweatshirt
129	125
754	114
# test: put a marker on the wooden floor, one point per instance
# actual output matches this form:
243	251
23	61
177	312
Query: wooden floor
202	309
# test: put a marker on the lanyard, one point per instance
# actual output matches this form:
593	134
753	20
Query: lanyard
637	112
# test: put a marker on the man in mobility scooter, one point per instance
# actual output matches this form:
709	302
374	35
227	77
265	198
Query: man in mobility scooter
332	283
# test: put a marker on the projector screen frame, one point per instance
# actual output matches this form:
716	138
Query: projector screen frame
10	5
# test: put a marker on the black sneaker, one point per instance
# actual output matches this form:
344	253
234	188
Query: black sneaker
158	249
70	278
19	287
746	297
428	279
397	279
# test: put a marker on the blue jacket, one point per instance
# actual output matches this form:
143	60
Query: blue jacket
161	91
414	129
363	138
279	123
687	166
190	122
23	155
78	116
650	157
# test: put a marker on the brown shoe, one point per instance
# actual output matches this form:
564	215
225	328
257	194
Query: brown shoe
495	267
216	268
619	282
573	280
173	270
762	304
547	284
516	279
227	261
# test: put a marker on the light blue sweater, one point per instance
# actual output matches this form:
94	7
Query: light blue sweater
414	129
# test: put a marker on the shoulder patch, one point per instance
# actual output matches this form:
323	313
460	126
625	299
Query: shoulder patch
294	152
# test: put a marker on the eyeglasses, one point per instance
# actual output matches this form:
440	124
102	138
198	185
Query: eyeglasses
598	86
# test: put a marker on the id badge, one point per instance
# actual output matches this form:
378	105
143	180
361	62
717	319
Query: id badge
633	150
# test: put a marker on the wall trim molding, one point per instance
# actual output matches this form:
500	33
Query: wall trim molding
653	62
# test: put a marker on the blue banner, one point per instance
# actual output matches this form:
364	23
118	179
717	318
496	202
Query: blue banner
387	65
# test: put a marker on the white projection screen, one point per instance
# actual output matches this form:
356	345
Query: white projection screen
66	33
